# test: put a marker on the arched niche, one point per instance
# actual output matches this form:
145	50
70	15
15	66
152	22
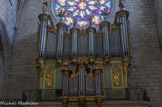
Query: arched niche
4	46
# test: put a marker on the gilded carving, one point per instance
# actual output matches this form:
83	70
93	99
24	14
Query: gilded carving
90	75
114	26
121	4
49	76
67	34
73	75
45	6
41	67
49	79
83	32
126	64
117	77
52	29
99	33
117	74
126	68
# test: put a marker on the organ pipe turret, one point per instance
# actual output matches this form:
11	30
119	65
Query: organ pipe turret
61	27
91	31
104	26
43	31
74	31
122	17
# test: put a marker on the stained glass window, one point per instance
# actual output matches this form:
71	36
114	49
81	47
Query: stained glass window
82	11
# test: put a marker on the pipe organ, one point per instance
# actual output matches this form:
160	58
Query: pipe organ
83	62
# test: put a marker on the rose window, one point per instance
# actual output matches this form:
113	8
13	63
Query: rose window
82	11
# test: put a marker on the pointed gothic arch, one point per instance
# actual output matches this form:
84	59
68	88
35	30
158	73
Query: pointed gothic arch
4	46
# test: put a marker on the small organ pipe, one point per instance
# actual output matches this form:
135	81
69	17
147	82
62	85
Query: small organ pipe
124	36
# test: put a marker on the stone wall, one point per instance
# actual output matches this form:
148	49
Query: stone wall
147	59
10	10
8	15
158	14
7	22
158	11
23	72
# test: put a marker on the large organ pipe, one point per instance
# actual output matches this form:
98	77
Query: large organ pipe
124	35
104	26
91	32
43	34
60	39
122	17
74	32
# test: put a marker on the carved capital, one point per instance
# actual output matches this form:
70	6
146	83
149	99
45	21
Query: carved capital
66	71
97	69
91	29
43	16
107	61
82	102
61	25
99	101
65	101
104	23
74	30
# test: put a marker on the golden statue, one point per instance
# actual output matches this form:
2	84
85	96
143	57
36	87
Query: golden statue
121	4
45	5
